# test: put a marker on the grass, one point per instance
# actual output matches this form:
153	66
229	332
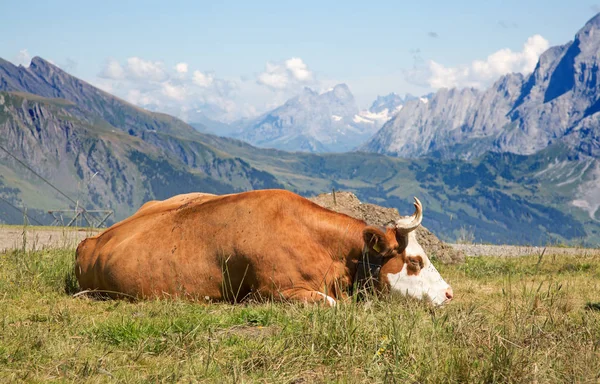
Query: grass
513	320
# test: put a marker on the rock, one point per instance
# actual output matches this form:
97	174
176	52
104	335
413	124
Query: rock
349	204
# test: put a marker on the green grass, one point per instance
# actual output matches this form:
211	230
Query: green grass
513	320
18	97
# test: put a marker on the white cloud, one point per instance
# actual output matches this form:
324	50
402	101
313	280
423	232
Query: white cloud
104	84
174	92
183	91
273	77
135	96
181	68
113	70
298	69
147	70
291	72
169	89
202	80
481	73
135	69
23	58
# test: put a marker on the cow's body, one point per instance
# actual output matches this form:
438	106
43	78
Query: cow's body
270	243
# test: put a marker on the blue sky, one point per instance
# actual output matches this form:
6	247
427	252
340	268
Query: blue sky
252	55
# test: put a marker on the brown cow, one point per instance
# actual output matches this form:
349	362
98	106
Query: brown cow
267	243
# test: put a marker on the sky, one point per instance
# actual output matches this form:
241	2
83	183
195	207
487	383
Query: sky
236	59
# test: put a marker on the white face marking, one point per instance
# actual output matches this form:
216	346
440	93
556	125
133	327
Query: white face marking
330	300
427	283
413	248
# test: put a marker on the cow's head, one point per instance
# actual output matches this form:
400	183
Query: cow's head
406	268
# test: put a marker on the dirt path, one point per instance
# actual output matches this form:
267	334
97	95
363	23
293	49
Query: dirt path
11	237
515	250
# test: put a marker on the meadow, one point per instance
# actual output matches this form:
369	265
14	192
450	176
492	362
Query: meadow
527	319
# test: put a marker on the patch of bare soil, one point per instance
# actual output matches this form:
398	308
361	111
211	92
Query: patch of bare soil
36	238
349	204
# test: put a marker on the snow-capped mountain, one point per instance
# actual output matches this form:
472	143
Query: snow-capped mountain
386	107
313	122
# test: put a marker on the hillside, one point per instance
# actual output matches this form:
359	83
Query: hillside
42	78
100	166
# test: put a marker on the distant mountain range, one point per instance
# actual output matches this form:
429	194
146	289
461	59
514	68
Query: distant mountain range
558	102
311	122
103	152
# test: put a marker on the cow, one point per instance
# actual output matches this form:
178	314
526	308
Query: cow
264	243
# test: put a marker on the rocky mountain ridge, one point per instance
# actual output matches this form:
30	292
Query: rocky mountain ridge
559	101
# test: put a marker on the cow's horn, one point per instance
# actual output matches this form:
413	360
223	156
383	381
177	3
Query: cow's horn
409	224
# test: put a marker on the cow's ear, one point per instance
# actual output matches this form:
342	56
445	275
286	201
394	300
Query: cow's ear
376	241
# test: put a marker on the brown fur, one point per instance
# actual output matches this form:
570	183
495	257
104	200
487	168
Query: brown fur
269	243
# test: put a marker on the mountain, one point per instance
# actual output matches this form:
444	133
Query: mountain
102	152
44	79
394	102
390	102
100	148
312	122
559	101
385	107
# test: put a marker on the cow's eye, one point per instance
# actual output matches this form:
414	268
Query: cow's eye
415	263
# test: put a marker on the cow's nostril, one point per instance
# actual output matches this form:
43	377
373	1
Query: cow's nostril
449	293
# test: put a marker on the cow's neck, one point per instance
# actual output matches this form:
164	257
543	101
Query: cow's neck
347	232
366	274
363	269
349	248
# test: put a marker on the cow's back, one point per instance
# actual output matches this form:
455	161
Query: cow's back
199	246
174	202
